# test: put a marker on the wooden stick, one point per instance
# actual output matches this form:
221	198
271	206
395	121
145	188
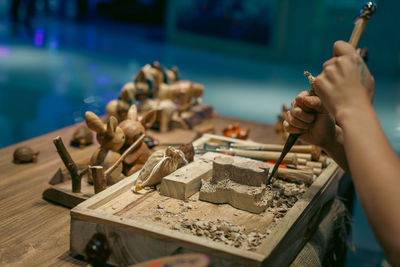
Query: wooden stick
361	22
307	149
69	164
303	176
99	179
314	164
123	156
261	155
316	171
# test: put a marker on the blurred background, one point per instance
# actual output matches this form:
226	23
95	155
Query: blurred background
60	58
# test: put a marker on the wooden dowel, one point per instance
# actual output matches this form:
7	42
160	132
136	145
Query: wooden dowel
307	149
99	179
123	156
304	156
301	162
261	155
69	164
324	161
303	176
316	171
314	164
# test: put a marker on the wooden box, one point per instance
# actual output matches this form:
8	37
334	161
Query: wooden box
143	226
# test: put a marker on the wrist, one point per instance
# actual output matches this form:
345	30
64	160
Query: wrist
353	111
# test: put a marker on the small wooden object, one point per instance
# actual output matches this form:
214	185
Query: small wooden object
61	183
186	181
239	182
25	154
99	179
76	176
235	131
82	137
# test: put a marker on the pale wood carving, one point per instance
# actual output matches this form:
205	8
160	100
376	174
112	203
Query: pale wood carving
239	182
186	181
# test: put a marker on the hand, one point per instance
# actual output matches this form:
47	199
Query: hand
341	48
308	117
342	84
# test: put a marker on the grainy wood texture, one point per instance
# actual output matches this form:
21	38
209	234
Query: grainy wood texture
186	181
140	231
239	182
34	232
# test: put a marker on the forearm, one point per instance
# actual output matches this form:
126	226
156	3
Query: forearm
375	169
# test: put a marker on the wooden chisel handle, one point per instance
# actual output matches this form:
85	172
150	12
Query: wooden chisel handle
361	22
261	155
307	149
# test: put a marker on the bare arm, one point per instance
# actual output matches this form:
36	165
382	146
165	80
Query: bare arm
374	165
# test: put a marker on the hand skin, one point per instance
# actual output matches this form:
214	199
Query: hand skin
309	117
374	165
342	120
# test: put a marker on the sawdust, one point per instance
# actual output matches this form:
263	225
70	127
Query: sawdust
181	217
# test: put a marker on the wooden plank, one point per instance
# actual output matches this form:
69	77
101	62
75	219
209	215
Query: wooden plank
186	181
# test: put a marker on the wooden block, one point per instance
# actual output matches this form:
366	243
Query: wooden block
186	181
239	182
255	199
239	170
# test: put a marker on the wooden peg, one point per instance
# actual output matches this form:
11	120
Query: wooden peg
99	179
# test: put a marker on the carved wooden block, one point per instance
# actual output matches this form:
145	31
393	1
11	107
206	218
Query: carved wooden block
239	182
239	170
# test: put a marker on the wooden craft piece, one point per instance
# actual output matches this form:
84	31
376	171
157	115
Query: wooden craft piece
262	155
239	170
186	181
111	138
300	176
99	179
25	154
235	131
134	129
76	175
196	115
82	137
239	182
160	164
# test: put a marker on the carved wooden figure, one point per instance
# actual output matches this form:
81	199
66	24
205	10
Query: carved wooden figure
25	154
133	130
82	137
111	138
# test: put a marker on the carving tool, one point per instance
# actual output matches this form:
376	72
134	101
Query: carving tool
359	26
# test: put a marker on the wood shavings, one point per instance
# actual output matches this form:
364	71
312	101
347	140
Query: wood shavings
223	231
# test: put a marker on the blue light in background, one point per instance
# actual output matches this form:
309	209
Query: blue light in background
5	51
39	36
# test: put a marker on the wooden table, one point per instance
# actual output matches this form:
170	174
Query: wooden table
34	232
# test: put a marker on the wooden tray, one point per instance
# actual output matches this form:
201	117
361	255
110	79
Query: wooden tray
135	234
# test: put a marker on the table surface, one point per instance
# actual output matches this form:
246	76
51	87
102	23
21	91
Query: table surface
34	232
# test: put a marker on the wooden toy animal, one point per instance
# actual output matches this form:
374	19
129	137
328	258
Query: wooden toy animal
111	138
133	129
82	137
25	154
